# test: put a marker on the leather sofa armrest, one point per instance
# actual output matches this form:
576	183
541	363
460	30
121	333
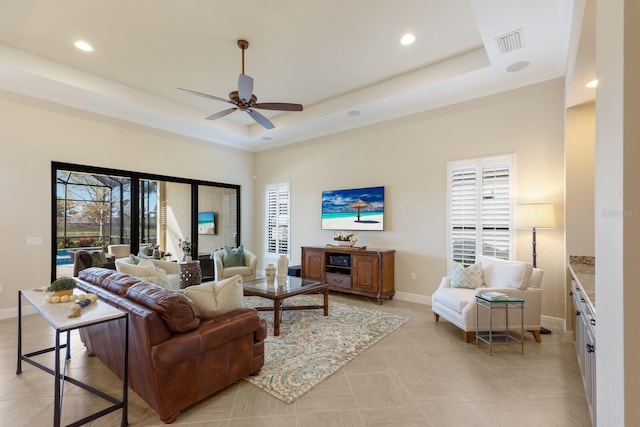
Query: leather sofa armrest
261	332
210	334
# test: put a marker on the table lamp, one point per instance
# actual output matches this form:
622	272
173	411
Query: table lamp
535	215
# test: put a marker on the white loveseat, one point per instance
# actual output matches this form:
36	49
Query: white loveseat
517	279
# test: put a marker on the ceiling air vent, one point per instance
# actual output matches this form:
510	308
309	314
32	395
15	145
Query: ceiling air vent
509	42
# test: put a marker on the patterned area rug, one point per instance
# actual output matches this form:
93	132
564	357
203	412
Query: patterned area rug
312	347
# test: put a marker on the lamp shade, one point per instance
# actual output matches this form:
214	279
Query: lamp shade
535	215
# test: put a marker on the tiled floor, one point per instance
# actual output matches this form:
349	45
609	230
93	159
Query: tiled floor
423	374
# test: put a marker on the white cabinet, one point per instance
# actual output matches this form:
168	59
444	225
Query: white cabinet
585	330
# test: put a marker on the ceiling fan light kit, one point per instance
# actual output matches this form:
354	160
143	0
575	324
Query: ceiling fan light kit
245	100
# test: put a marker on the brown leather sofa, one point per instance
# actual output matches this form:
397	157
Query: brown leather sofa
175	358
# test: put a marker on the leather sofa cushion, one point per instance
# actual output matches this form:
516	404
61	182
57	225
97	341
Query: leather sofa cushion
178	312
95	275
118	283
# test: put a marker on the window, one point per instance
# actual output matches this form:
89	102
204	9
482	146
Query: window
479	208
93	207
277	213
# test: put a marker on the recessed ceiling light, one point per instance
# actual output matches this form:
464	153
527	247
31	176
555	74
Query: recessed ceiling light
517	66
407	39
593	83
354	113
82	45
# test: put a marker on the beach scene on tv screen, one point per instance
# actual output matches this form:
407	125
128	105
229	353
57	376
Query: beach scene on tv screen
206	223
353	209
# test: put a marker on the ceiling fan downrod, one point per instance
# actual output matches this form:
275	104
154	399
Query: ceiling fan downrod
243	44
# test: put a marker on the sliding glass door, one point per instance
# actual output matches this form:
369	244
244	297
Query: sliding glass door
96	207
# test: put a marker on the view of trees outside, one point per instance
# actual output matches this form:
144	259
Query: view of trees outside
149	212
92	210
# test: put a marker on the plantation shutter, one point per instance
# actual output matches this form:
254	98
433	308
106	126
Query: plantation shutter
463	215
479	209
277	213
496	204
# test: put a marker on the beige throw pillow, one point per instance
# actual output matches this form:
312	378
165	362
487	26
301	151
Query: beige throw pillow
214	298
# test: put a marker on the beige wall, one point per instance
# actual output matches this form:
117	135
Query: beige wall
34	133
580	144
409	157
178	199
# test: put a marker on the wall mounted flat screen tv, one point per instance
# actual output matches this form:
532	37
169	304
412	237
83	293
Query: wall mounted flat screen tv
206	223
353	209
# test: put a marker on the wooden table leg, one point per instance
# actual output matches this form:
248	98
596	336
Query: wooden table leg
326	301
276	317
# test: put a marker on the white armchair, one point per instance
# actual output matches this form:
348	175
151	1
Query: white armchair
458	304
247	271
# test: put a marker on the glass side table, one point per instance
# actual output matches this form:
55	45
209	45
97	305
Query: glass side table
504	335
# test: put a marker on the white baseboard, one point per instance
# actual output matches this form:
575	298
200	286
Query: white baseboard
552	323
418	299
8	313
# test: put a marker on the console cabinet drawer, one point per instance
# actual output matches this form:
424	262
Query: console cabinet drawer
341	280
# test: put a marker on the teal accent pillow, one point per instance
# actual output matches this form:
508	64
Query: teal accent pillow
145	251
135	260
233	257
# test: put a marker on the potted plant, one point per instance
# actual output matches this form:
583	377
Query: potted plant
345	239
185	247
63	286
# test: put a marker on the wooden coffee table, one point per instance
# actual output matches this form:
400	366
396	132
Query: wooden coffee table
293	286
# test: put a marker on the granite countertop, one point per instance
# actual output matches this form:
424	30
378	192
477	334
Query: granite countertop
583	270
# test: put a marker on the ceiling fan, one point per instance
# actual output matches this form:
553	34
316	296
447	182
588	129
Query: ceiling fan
245	100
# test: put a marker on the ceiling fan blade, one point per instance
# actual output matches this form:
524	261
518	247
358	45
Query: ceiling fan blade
245	87
222	114
205	95
260	119
281	106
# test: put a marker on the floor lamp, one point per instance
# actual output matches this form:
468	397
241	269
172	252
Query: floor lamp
533	216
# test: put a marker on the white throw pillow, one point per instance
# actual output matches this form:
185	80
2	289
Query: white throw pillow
500	273
213	298
159	277
470	277
144	269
